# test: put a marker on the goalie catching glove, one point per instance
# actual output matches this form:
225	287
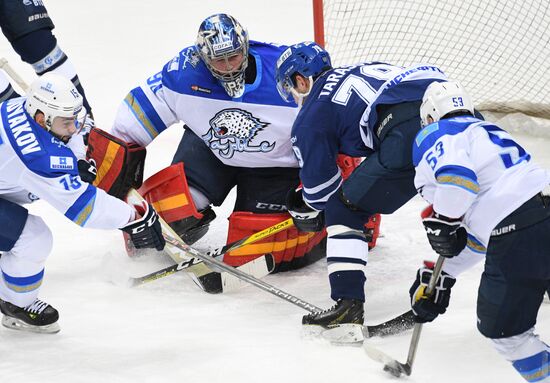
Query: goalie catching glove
447	236
145	231
304	217
427	308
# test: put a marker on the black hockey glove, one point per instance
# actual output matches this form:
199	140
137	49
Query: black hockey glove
425	308
304	217
145	232
446	235
87	170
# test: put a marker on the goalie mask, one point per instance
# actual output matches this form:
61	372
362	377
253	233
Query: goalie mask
56	97
443	98
222	44
307	59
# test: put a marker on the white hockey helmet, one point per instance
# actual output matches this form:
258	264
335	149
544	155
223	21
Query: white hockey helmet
55	96
442	98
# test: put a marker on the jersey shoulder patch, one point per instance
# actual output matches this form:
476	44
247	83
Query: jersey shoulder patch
428	136
187	74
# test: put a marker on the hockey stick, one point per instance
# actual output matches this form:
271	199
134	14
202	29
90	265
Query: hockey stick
393	326
181	266
391	365
13	74
389	327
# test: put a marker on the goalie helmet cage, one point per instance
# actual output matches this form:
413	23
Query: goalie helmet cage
499	50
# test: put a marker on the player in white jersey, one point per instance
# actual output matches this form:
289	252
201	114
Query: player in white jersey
488	202
237	133
35	163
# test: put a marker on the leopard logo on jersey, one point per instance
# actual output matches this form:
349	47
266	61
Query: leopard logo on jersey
232	130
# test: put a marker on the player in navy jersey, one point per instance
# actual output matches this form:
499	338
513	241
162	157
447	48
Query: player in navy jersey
237	133
368	110
28	27
36	163
489	201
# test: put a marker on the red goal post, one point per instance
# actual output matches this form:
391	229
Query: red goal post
499	50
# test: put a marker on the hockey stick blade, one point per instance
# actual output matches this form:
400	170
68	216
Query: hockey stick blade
259	268
392	365
163	272
400	323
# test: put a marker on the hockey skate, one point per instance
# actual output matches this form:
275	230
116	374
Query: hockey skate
341	324
37	317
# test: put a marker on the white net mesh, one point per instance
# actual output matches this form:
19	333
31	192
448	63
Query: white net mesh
499	50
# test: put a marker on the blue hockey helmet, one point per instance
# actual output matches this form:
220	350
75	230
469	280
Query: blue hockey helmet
222	44
307	59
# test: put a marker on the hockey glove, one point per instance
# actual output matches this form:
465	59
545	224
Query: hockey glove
425	308
304	217
87	170
145	232
446	235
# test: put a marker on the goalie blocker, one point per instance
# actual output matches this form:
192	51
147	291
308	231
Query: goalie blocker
119	164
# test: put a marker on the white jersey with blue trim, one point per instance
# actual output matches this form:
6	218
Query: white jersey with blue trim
339	115
250	131
34	163
473	169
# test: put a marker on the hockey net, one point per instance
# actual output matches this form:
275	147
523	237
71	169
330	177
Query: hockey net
499	50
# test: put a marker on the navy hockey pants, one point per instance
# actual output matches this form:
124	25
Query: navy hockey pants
517	272
19	18
12	221
385	180
259	190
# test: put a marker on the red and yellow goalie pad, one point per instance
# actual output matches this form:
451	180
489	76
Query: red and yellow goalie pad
291	248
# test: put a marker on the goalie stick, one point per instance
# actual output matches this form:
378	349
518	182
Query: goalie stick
185	264
391	365
266	261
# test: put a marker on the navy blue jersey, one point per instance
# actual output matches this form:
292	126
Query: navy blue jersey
340	113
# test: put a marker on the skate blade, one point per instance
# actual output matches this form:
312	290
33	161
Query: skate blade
341	335
17	324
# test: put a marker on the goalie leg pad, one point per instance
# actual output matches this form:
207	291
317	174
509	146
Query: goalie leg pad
290	248
169	194
119	164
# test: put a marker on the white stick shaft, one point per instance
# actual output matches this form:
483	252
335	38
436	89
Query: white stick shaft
13	74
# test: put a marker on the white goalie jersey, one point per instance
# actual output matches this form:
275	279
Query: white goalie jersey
473	169
251	131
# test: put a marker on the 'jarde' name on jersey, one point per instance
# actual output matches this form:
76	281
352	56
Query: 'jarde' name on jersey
21	128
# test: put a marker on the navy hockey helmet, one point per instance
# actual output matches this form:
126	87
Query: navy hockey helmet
307	59
222	44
